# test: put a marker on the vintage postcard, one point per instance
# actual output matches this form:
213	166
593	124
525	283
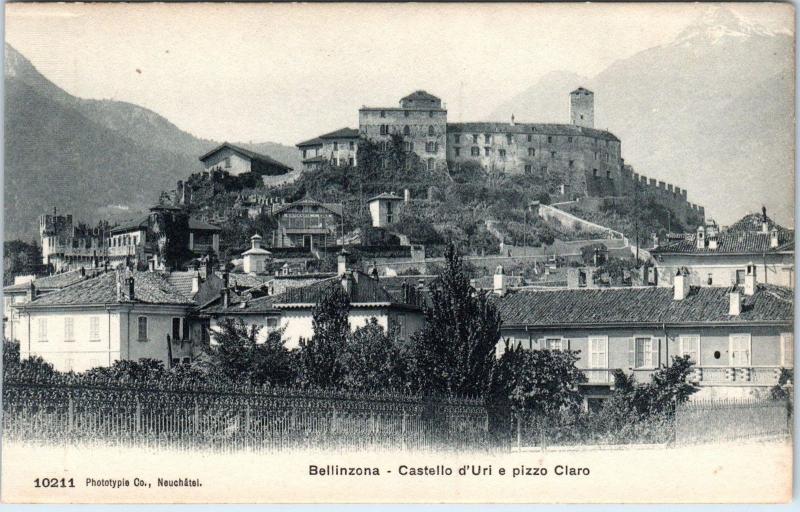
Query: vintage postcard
414	253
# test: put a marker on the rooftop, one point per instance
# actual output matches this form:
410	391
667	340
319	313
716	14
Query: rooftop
149	288
341	133
335	208
386	195
420	95
542	128
252	155
55	281
730	242
644	305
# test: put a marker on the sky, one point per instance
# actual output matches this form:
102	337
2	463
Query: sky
289	72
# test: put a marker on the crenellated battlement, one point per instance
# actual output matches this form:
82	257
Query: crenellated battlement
667	194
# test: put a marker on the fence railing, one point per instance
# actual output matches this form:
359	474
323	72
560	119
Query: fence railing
231	421
727	420
754	375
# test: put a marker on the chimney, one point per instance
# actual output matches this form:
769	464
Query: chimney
701	237
764	220
773	238
226	278
681	284
205	268
712	243
750	279
31	293
500	284
347	284
255	241
83	272
131	290
341	264
226	297
196	282
406	196
735	302
512	119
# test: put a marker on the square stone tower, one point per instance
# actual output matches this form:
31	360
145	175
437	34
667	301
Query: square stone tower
581	107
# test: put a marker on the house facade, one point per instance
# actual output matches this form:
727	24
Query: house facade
237	160
338	148
738	337
384	209
717	257
307	223
118	315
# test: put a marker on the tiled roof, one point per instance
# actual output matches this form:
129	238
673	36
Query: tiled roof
307	201
420	95
242	280
736	242
149	287
386	195
55	281
182	281
131	225
542	128
252	155
752	222
316	141
199	225
341	133
648	305
487	282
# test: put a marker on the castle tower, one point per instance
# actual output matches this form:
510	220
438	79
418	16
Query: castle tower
581	107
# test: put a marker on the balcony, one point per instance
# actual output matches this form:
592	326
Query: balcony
735	375
599	376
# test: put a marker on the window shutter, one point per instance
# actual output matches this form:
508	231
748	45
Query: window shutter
541	343
656	352
568	347
632	352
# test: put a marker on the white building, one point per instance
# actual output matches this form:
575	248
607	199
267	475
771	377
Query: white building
115	316
384	209
237	160
256	259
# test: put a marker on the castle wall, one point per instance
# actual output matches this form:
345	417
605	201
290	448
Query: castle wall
666	194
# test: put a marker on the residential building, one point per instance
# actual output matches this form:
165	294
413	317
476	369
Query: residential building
717	257
66	246
256	259
118	315
237	160
307	223
738	337
338	148
384	209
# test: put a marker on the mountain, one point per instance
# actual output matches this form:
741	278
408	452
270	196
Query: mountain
711	111
92	158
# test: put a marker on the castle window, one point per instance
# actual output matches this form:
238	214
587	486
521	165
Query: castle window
608	175
531	152
572	163
475	151
457	151
528	168
487	151
502	153
594	172
406	113
488	138
530	137
429	147
383	113
384	129
552	154
457	138
509	139
431	164
544	169
430	131
406	130
430	114
569	139
549	139
475	138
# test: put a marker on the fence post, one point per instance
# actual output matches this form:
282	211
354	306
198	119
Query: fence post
138	419
403	429
196	416
70	413
519	432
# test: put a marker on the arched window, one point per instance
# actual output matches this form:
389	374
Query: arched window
430	131
431	164
406	130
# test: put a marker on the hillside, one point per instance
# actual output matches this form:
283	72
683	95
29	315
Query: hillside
692	113
92	158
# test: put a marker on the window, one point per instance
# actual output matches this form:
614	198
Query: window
69	328
710	279
502	153
487	151
351	161
406	113
335	146
228	163
552	154
401	326
487	137
740	350
69	365
643	356
457	138
528	169
142	328
475	138
475	151
594	173
572	163
406	130
430	147
383	113
384	129
690	346
509	139
740	276
608	175
549	139
787	350
185	328
187	360
569	139
430	113
531	152
42	329
544	169
530	137
272	324
389	212
352	146
305	151
430	131
555	343
457	151
598	352
431	164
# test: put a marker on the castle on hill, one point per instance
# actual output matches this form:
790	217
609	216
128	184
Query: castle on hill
572	160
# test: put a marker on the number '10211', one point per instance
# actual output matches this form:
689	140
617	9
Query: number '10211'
53	482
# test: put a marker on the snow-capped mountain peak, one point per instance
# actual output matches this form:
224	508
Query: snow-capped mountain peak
718	23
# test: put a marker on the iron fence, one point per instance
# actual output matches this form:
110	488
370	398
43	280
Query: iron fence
261	419
703	421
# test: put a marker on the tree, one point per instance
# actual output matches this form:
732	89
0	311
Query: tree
454	351
322	359
30	368
125	370
374	361
541	382
238	356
